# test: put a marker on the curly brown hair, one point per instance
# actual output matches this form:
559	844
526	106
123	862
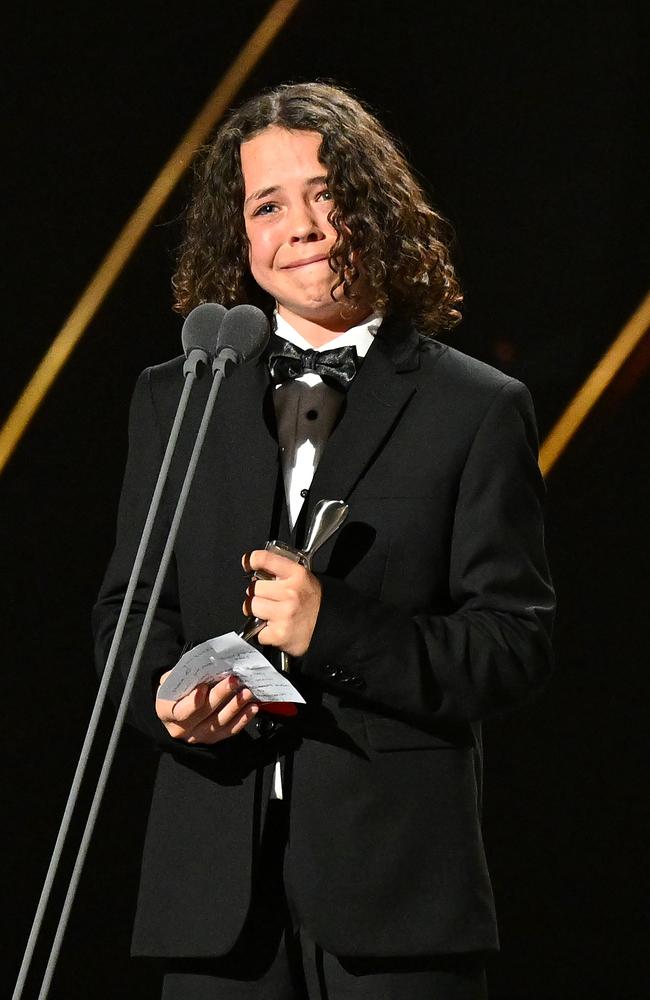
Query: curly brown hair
380	212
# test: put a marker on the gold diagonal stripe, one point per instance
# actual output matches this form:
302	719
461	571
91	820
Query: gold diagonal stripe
590	392
138	224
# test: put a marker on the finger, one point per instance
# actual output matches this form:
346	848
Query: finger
224	722
261	607
211	733
250	594
270	636
221	693
274	602
273	590
217	702
244	717
177	711
272	563
197	705
226	712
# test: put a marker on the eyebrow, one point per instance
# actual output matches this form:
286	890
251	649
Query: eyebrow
265	192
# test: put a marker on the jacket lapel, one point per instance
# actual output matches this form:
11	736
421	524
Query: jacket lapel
248	424
375	403
374	406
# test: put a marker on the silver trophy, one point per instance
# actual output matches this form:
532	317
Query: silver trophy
327	517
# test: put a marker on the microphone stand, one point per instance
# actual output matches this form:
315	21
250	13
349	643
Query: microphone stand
223	361
191	370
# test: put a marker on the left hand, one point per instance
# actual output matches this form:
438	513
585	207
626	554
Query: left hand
289	604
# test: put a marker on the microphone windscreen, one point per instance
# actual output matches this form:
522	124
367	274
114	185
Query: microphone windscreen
246	330
201	328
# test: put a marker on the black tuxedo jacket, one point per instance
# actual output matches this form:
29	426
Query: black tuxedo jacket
436	613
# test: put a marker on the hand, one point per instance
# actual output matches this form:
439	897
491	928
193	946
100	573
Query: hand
207	714
289	604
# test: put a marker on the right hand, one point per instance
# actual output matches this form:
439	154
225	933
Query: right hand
207	714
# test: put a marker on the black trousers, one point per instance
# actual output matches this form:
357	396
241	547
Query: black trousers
275	960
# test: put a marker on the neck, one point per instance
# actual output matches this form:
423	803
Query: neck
319	331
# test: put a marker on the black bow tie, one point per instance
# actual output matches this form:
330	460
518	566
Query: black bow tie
336	368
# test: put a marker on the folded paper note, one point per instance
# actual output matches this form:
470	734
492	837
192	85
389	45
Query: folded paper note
227	654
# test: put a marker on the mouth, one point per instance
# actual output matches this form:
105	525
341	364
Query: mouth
305	263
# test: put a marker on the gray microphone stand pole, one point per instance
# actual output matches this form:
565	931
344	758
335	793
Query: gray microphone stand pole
194	363
226	357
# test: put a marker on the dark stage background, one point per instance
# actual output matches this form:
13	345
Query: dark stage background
526	120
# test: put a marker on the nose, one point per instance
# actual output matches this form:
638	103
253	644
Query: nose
304	227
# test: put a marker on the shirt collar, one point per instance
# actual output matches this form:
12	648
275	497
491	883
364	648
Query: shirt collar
360	336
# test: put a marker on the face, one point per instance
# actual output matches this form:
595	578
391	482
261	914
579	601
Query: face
286	204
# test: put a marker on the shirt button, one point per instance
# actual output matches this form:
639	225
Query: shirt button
311	414
303	493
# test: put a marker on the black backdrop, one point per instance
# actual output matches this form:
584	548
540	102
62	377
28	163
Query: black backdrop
526	122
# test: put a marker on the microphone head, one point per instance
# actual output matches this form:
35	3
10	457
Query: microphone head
201	329
245	330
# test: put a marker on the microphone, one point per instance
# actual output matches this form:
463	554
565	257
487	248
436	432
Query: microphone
199	336
243	336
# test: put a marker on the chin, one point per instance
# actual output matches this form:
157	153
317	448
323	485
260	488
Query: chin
323	314
314	308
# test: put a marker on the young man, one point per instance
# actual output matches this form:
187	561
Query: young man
336	853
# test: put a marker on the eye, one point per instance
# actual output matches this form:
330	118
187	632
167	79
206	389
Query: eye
324	195
262	210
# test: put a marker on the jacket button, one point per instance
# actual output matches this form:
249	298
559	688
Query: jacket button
265	725
334	673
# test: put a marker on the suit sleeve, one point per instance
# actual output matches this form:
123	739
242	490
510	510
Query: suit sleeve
165	641
492	651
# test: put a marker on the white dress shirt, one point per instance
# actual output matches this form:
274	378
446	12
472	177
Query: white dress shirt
306	412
